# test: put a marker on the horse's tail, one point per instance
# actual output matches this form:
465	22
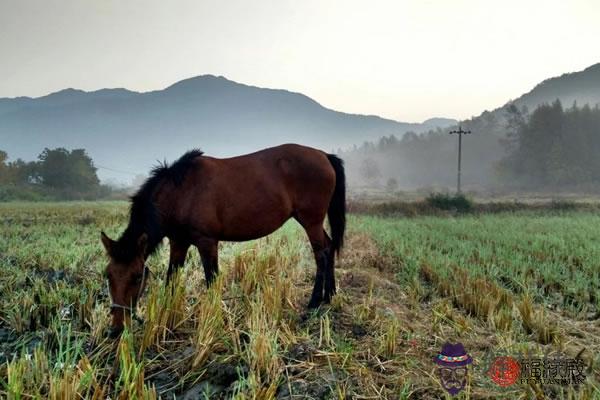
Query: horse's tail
337	205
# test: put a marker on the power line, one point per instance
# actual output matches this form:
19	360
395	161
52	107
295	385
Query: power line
117	170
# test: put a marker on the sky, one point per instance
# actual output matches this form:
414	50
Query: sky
405	60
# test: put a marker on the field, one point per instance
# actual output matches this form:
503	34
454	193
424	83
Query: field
520	282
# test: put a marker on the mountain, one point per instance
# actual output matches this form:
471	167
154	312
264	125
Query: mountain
582	87
128	131
434	123
425	161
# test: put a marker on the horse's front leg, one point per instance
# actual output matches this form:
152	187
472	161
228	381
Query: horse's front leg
208	249
177	256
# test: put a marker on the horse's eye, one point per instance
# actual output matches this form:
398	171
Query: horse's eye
137	279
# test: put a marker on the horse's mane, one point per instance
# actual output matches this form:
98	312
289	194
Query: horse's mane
144	217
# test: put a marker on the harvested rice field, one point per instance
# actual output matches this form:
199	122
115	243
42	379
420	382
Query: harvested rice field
509	283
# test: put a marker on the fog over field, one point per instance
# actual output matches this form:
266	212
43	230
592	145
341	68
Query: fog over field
132	85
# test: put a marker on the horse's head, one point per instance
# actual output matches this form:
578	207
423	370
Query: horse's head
126	279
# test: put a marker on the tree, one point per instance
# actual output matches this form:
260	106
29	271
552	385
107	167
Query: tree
391	185
369	170
62	169
515	121
16	172
58	174
3	167
554	147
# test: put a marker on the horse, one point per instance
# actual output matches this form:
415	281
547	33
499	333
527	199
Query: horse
200	200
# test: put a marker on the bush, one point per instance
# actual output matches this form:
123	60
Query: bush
562	205
444	201
41	193
391	185
21	193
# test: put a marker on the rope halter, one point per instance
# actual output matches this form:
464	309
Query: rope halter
132	309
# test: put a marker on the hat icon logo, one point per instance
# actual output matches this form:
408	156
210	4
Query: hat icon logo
453	362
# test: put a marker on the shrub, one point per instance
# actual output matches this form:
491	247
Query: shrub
562	205
391	185
444	201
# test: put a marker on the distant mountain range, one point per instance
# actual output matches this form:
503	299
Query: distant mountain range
128	131
125	132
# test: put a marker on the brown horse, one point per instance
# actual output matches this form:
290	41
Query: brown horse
201	200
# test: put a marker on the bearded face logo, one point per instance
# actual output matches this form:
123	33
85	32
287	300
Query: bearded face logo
453	363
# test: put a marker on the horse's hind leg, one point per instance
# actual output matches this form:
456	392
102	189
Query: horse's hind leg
208	249
177	256
330	271
318	241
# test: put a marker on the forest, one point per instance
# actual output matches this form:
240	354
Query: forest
551	148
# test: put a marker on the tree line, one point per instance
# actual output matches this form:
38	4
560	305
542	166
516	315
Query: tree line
549	149
427	161
56	174
552	148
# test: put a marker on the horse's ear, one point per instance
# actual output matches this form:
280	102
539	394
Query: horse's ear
142	244
107	242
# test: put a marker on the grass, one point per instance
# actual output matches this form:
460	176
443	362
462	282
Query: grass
510	282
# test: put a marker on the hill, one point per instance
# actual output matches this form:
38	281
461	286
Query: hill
582	87
428	160
129	131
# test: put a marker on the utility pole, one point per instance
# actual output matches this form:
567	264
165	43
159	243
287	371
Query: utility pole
460	133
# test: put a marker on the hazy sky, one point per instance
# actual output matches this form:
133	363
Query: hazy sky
407	60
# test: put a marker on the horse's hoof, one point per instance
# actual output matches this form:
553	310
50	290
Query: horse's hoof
114	333
313	304
308	314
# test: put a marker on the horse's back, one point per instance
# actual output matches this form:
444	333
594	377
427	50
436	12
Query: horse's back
289	164
250	196
202	200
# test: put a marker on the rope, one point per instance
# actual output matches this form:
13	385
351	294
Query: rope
131	310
